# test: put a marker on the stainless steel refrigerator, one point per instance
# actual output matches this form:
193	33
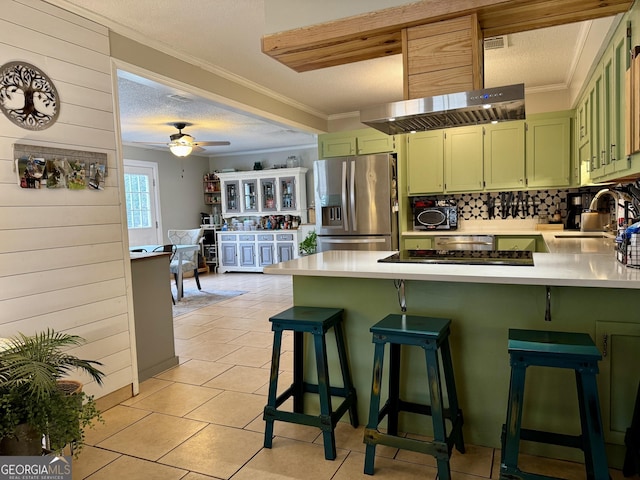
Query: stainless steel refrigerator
356	203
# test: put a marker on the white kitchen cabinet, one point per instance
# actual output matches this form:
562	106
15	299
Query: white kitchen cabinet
286	246
228	251
247	250
281	191
250	252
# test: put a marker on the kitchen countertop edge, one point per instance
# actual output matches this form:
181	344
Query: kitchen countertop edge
600	270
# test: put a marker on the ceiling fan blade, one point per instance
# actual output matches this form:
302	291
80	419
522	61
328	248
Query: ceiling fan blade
211	144
197	149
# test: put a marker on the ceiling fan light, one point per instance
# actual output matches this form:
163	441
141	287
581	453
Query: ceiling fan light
180	149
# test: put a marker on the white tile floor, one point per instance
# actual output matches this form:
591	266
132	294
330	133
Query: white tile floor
203	419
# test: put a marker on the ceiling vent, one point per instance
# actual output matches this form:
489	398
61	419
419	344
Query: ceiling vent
179	98
495	43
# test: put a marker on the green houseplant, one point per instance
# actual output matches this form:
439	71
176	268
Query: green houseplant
36	401
309	244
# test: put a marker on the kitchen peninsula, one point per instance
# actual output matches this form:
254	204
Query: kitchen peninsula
590	292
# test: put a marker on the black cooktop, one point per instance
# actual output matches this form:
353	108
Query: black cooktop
463	257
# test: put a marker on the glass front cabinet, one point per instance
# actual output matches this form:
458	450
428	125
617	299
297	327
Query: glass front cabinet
265	192
288	193
231	197
268	191
249	196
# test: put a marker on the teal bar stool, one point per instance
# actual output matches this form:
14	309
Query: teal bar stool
432	335
316	321
574	351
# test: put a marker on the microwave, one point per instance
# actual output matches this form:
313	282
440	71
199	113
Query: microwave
435	217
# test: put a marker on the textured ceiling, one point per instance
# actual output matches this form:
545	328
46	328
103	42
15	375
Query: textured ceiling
225	36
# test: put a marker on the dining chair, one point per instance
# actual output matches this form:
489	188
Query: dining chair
189	259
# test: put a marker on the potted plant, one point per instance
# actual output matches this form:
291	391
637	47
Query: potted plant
36	402
309	244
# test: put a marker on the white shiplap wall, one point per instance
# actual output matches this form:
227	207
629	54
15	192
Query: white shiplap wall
62	252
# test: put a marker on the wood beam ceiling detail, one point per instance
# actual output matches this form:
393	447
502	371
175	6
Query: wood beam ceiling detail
378	34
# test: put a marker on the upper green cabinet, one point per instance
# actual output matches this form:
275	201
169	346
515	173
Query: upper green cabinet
463	156
356	142
504	160
495	157
548	155
425	162
601	152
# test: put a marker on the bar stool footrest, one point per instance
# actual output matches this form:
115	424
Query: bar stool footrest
517	474
539	436
439	450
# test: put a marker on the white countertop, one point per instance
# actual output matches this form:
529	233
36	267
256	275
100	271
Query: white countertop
576	262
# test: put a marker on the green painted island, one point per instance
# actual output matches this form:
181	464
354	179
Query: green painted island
589	293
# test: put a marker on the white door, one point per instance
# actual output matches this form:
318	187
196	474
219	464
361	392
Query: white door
143	205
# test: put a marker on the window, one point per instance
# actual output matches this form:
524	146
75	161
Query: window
138	196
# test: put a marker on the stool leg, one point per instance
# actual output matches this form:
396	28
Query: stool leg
511	442
273	388
452	393
298	372
593	440
374	408
326	421
394	388
437	411
350	391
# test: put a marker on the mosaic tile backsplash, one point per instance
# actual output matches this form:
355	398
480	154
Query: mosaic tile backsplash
530	204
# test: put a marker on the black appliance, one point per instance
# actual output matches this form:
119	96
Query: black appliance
434	215
463	257
576	203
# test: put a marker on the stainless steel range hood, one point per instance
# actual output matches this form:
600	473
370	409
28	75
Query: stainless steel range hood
450	110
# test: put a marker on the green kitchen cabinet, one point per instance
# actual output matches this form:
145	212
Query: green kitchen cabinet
417	243
618	379
463	159
607	92
615	63
584	164
516	243
504	156
356	142
548	150
583	119
425	162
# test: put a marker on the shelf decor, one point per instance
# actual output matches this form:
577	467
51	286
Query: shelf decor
27	96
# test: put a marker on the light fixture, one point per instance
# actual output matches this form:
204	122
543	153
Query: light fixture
180	149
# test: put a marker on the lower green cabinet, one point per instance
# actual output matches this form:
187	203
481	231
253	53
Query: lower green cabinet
533	243
417	243
618	379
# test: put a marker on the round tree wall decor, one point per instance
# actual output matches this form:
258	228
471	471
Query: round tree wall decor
27	96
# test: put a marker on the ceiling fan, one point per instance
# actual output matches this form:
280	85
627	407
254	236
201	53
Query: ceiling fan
183	144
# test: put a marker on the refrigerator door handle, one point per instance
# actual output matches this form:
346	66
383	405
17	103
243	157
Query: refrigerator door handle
344	195
352	197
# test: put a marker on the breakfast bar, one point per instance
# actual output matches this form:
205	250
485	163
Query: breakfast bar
589	293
